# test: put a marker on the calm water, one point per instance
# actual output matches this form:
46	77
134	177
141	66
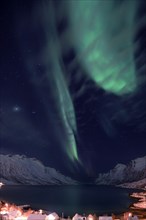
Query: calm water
69	199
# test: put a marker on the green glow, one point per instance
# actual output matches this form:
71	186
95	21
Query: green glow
67	114
72	150
103	35
63	116
57	82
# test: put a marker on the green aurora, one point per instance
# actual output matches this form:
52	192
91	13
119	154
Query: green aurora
63	115
103	34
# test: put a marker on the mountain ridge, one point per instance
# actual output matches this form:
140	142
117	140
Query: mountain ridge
19	169
132	175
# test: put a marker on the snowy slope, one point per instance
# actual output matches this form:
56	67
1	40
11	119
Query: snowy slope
136	184
131	175
19	169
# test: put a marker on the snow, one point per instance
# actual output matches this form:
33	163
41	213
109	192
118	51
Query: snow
139	163
132	175
136	184
19	169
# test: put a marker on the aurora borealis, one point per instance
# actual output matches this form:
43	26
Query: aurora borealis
103	33
73	82
51	78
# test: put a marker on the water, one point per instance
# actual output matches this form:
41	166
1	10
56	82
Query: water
70	199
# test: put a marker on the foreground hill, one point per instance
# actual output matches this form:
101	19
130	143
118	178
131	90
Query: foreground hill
132	175
19	169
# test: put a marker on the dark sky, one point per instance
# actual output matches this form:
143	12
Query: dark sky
51	106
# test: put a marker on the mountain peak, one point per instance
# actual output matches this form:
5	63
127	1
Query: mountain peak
19	169
134	172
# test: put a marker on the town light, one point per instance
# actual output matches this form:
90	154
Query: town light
50	217
130	214
90	217
40	211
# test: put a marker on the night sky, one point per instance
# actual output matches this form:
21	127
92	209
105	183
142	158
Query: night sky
73	83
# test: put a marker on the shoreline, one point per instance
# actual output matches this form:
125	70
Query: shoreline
26	210
141	213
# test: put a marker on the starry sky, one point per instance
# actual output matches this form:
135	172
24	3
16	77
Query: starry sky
73	83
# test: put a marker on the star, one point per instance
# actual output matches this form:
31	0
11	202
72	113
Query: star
33	112
16	108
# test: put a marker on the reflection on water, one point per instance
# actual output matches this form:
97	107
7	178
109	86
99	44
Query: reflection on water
70	199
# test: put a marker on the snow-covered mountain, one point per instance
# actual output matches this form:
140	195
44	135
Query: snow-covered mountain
132	175
141	184
19	169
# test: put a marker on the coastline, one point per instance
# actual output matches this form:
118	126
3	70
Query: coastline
9	190
24	211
